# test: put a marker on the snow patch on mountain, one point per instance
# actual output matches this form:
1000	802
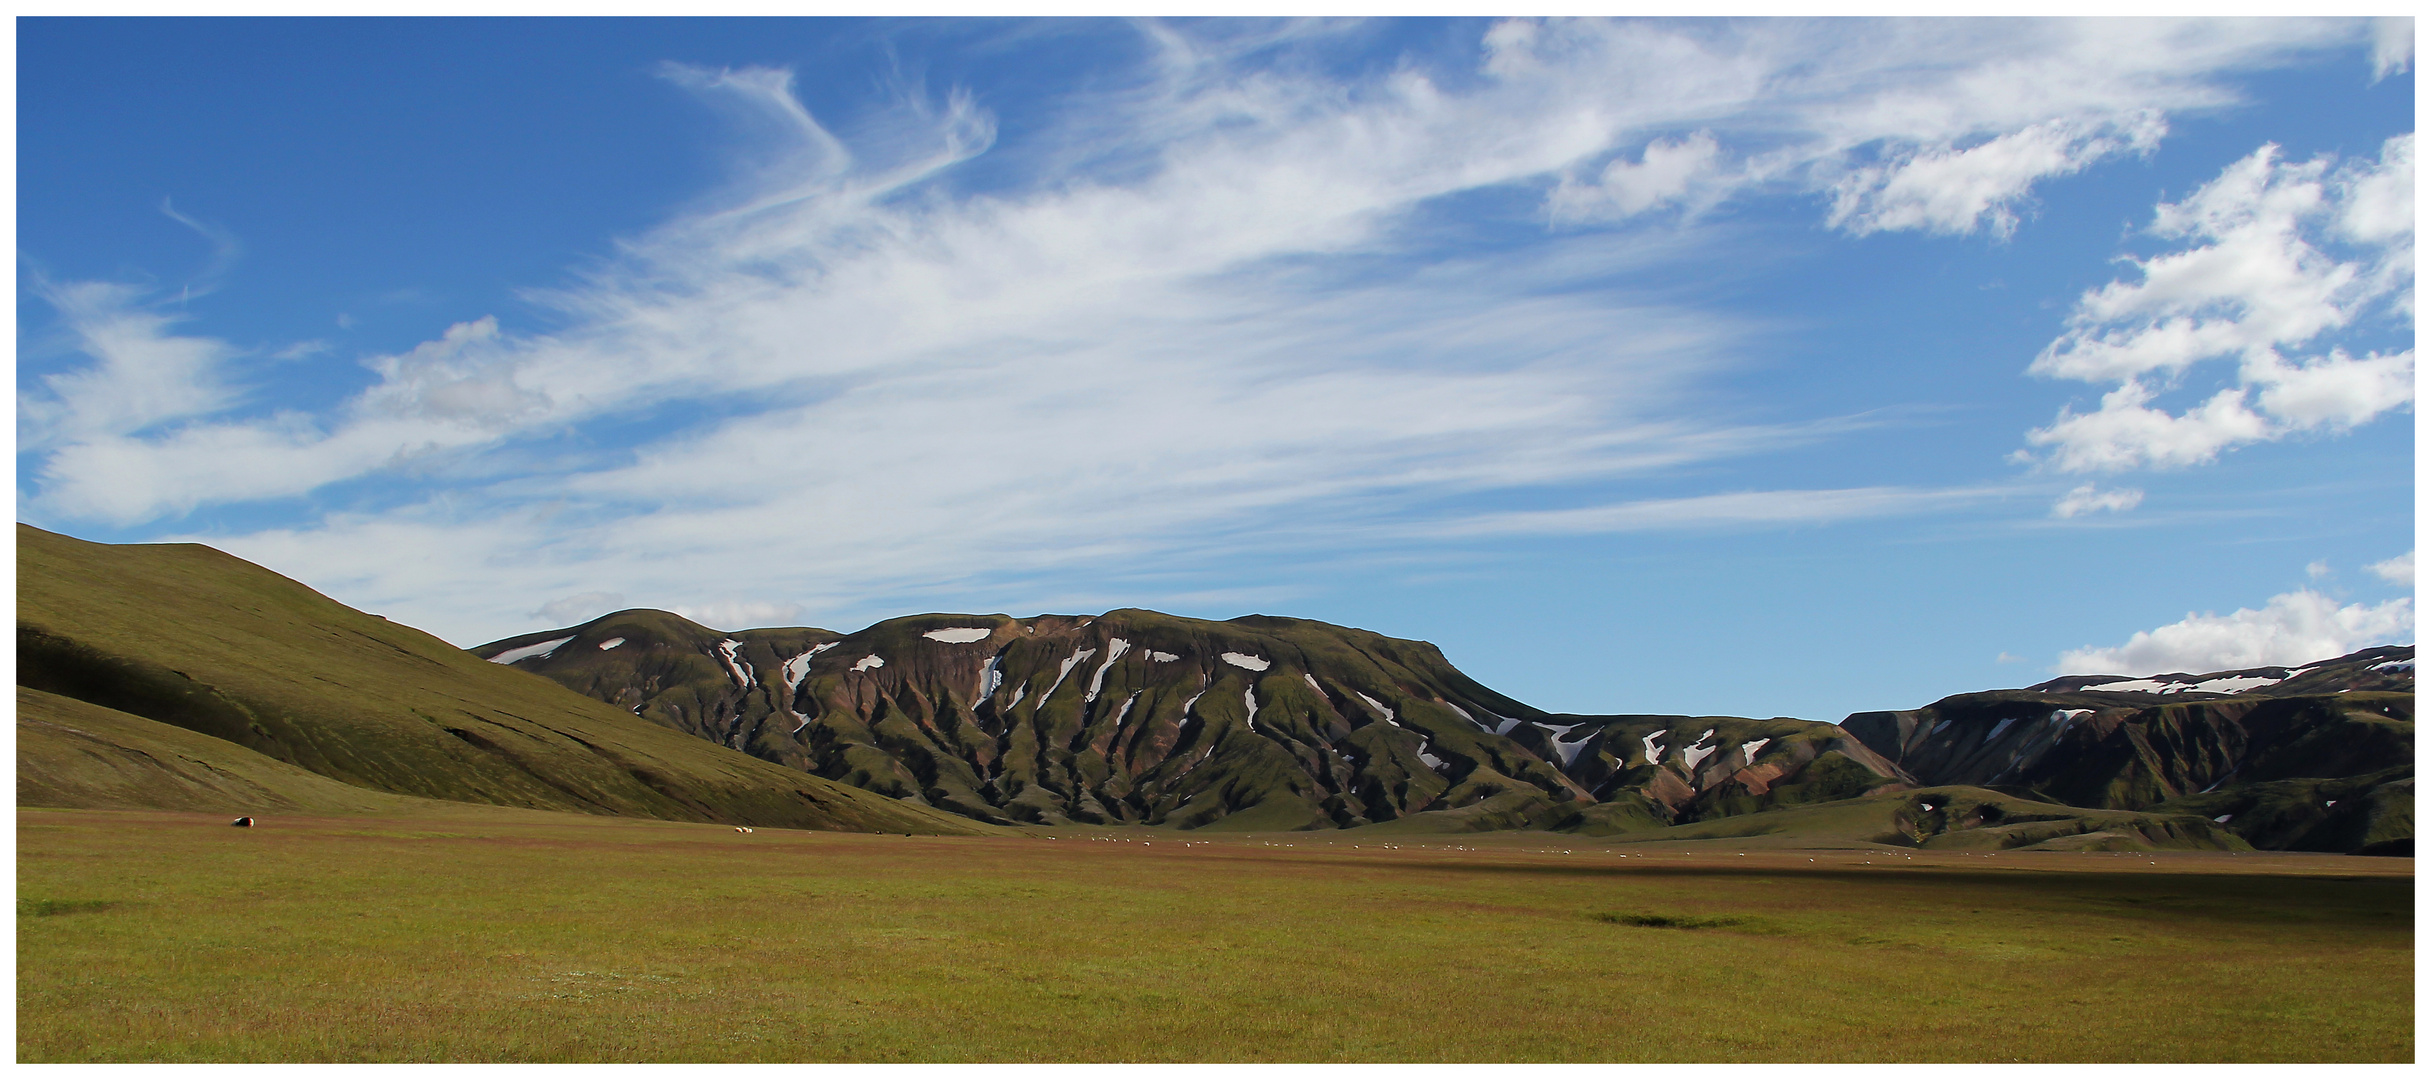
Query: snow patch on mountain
1697	751
990	677
1379	707
1163	657
1560	735
527	652
960	635
798	668
1654	749
736	668
793	671
1244	660
1249	699
1751	748
610	643
1115	648
873	660
1065	671
2231	684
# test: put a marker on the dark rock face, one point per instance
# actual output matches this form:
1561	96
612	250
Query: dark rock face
1135	716
2113	742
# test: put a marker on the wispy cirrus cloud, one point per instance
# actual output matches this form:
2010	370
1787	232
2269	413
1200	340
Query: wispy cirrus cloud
1738	509
2087	499
1212	302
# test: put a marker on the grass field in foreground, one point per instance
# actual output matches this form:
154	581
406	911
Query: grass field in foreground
526	936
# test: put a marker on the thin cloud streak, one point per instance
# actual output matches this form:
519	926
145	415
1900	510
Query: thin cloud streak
1730	510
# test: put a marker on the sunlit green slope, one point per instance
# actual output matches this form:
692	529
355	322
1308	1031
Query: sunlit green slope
194	638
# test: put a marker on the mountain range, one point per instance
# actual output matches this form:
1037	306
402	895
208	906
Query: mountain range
1264	723
180	677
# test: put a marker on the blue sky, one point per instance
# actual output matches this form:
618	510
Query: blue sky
1766	368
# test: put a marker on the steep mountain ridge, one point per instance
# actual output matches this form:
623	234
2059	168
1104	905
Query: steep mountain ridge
1258	722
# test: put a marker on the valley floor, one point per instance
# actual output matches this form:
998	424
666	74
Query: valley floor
475	934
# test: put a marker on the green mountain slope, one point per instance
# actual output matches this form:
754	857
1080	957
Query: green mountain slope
191	637
1135	716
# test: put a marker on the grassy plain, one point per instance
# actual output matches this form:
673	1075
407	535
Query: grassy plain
510	935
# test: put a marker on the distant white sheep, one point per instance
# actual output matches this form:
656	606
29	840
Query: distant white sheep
742	828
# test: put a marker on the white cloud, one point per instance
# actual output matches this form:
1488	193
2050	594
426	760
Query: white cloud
580	607
2392	45
2253	283
2293	628
863	377
2399	570
1948	190
465	377
1665	173
2335	391
2376	204
739	614
2084	499
2124	434
142	375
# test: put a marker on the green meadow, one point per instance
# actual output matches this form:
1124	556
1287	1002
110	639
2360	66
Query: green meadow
487	934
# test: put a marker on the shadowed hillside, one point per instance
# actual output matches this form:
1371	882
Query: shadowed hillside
2316	758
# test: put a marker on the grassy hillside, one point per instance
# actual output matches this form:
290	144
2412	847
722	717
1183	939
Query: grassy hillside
197	639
